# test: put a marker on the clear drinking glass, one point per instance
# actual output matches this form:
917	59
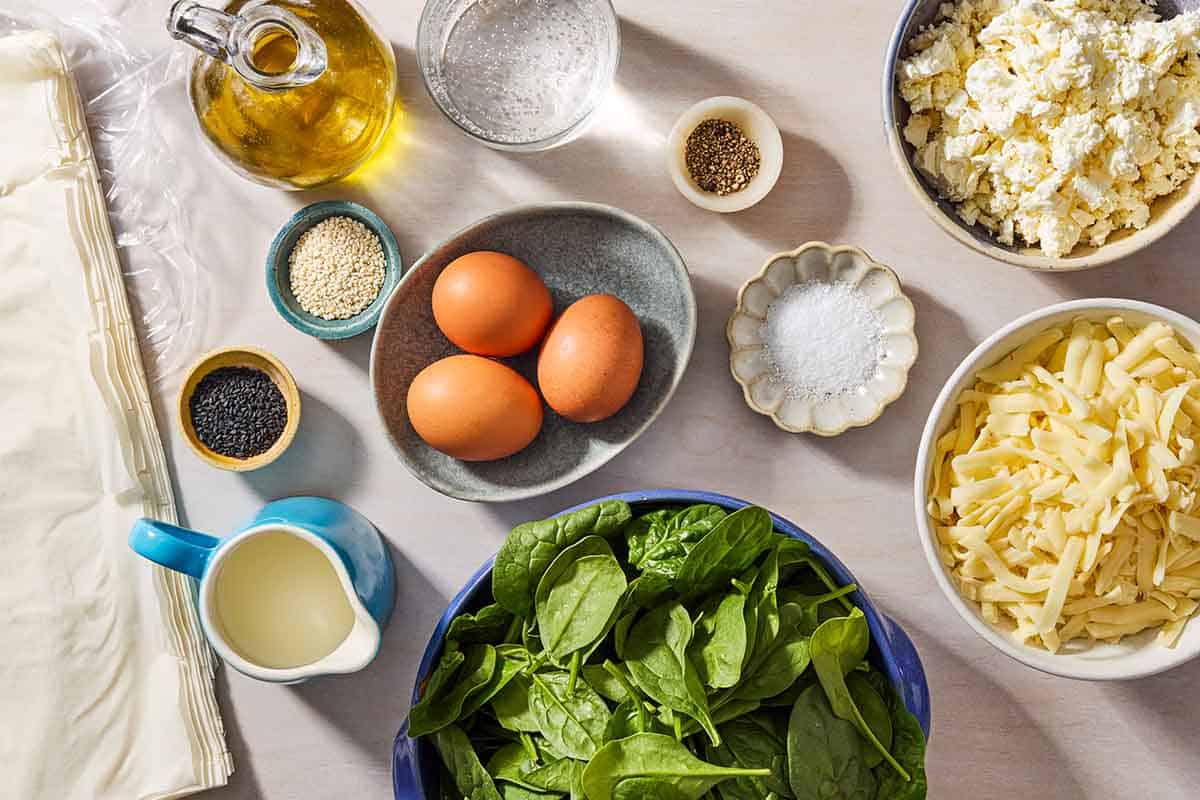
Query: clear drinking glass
519	74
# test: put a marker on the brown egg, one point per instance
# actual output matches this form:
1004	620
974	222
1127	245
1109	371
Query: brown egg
491	304
591	360
474	408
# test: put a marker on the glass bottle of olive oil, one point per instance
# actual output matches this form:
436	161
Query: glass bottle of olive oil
293	93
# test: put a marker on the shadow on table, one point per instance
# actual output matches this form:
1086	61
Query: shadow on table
326	458
369	706
244	781
812	199
1162	273
1150	711
887	447
657	80
356	350
980	735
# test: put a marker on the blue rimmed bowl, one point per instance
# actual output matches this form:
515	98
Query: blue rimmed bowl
279	284
414	761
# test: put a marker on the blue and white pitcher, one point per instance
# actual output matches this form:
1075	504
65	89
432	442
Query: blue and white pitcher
304	589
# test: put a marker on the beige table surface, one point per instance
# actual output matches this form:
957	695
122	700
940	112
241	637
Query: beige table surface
1000	730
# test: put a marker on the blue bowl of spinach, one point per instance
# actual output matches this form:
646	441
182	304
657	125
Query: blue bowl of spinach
673	645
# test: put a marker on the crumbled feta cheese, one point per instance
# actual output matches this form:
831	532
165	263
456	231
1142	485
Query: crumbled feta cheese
1054	121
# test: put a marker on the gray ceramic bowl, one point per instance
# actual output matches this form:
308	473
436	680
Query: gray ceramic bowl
1165	213
578	249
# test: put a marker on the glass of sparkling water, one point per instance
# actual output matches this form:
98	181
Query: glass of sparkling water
519	74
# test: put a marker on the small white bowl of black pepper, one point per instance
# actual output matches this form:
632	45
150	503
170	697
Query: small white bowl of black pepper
724	154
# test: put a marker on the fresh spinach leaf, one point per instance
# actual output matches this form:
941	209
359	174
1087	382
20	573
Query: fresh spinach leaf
777	662
511	791
839	645
645	591
468	774
719	645
787	699
795	556
532	546
825	753
577	598
557	776
661	540
511	706
874	712
511	763
908	747
647	789
657	660
607	686
437	711
443	674
621	629
507	669
656	757
446	788
728	549
488	625
762	606
730	710
752	741
572	721
630	717
645	532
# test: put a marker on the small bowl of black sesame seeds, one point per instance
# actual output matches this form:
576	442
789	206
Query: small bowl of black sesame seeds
239	408
331	268
724	154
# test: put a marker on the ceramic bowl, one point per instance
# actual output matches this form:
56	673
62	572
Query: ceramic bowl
578	249
757	126
1134	657
279	285
240	357
415	764
829	416
1165	213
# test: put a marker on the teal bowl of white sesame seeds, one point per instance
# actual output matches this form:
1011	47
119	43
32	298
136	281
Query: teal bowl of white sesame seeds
331	268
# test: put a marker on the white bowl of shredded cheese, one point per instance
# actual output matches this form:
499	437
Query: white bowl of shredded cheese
1048	134
1057	489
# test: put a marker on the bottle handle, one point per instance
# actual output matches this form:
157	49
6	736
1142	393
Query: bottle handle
173	547
232	39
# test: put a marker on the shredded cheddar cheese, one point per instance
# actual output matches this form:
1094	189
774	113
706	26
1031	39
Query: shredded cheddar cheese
1064	494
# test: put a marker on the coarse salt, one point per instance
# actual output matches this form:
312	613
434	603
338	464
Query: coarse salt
822	339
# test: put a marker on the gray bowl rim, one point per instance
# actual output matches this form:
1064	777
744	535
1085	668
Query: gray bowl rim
976	237
524	210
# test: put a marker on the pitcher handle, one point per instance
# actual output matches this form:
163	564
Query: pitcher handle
173	547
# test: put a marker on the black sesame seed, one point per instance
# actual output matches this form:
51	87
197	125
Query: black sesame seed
238	412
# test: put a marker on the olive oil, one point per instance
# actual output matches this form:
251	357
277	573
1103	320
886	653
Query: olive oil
280	603
306	135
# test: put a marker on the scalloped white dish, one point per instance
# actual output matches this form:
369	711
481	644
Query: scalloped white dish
751	364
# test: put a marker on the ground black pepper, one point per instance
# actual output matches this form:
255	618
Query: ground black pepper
720	157
238	412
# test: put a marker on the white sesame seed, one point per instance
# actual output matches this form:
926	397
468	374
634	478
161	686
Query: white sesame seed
337	268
